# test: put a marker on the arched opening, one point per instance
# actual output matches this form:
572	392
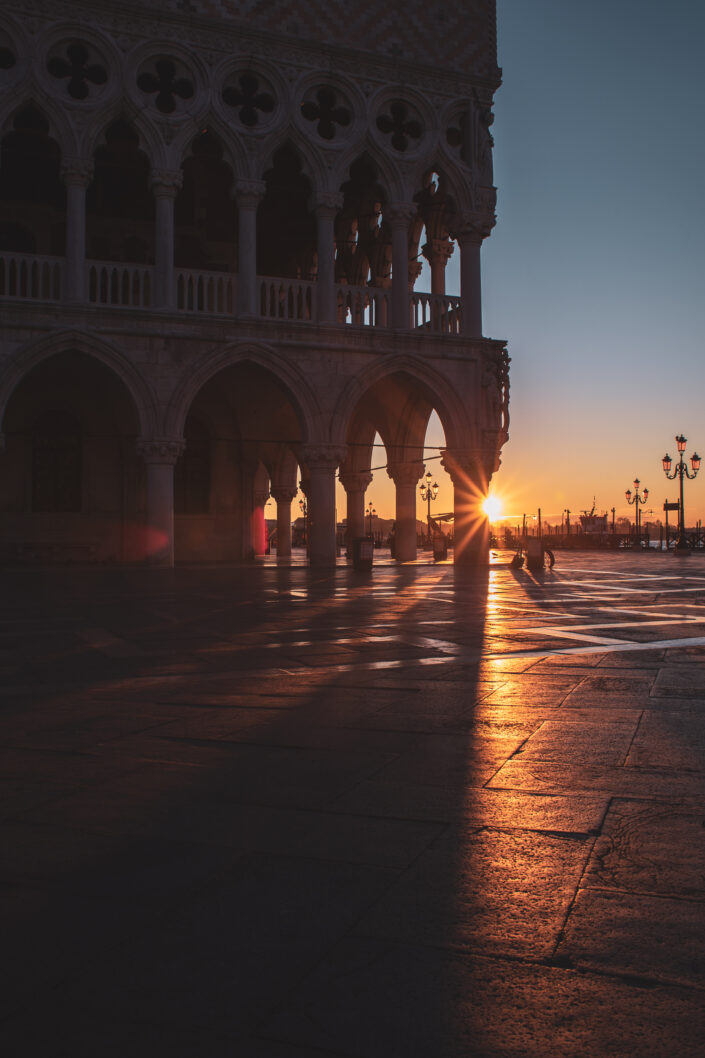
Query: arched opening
119	202
192	473
205	215
286	229
252	425
72	486
32	193
391	431
363	239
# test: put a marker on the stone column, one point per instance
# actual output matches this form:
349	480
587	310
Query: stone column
284	497
326	206
259	528
471	526
249	194
322	462
160	457
405	477
77	174
355	485
165	185
437	252
399	216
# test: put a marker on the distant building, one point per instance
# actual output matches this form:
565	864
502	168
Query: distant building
212	218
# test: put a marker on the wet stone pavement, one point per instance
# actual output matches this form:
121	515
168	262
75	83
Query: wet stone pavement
417	813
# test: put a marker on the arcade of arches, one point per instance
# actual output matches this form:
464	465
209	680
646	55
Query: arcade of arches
209	277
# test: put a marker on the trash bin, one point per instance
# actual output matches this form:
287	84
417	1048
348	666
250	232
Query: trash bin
440	547
363	552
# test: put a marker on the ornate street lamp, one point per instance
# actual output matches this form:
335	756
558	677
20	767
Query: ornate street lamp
303	504
370	512
428	492
681	471
637	502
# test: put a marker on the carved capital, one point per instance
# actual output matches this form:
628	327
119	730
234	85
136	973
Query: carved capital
249	193
260	497
466	468
326	203
166	183
77	172
405	473
437	250
399	214
356	481
473	227
284	493
322	456
160	450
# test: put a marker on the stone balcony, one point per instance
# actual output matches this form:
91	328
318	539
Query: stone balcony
121	285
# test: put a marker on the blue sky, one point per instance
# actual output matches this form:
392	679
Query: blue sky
595	271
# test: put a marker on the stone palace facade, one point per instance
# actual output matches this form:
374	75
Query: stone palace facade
212	217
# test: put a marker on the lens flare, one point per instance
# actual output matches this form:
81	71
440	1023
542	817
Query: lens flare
492	507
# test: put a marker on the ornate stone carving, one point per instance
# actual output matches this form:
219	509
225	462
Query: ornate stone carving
160	450
356	481
77	172
260	497
166	81
405	473
322	456
400	214
326	202
250	192
402	124
75	68
166	183
283	493
249	97
330	112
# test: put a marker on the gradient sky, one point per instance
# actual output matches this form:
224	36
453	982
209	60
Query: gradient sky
595	271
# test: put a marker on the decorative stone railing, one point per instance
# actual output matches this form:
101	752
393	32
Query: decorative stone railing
198	291
124	285
438	313
114	283
286	299
31	276
364	306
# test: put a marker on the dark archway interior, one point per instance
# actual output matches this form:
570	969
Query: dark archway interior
32	193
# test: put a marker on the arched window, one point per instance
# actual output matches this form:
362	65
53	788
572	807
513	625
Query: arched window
56	462
192	474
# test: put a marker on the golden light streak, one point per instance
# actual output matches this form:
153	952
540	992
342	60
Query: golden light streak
493	507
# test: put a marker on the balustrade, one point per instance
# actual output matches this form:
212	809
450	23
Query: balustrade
286	299
364	306
198	291
438	313
31	276
114	283
118	284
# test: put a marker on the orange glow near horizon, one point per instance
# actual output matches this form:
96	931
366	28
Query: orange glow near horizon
493	507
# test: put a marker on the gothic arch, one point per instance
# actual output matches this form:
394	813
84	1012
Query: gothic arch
60	130
37	352
312	164
196	377
149	141
387	172
444	396
234	153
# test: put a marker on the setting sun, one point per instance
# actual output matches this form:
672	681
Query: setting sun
492	507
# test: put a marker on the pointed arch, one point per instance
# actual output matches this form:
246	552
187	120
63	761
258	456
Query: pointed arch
60	129
37	352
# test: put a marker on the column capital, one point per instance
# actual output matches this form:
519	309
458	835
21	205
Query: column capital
326	203
283	493
166	183
249	193
77	172
355	481
405	473
468	468
473	227
260	497
322	456
160	450
437	250
399	214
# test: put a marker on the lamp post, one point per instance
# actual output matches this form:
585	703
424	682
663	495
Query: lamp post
370	512
429	492
681	471
637	502
303	504
567	521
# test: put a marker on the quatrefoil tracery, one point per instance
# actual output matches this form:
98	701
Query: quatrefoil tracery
400	124
166	85
76	70
249	98
327	112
